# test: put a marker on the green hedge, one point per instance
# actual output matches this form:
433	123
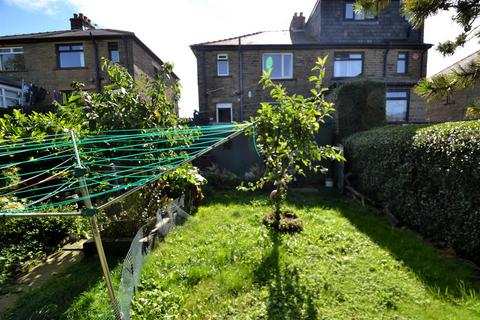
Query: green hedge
360	106
428	176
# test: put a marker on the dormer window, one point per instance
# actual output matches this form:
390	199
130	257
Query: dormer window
350	13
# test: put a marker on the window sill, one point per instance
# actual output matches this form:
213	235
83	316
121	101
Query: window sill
346	78
223	77
72	68
8	71
284	79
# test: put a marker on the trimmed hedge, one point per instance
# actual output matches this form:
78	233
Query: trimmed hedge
360	106
428	176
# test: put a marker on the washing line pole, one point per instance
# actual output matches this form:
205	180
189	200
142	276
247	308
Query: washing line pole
96	234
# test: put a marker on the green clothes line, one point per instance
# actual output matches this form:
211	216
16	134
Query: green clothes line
40	175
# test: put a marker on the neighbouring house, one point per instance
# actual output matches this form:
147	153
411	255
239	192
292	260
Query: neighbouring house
37	68
454	107
358	45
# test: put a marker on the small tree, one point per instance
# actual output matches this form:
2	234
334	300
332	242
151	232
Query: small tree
286	132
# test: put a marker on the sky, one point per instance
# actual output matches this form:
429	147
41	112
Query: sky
169	27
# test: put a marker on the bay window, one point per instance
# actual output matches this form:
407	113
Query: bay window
10	97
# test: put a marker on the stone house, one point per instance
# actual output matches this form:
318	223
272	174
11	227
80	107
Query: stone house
358	45
454	107
37	68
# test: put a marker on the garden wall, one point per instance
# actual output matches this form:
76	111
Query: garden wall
427	176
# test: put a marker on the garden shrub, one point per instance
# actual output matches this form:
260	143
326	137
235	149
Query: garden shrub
24	241
360	106
428	176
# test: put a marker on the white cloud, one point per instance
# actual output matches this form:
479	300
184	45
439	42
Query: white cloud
440	28
49	7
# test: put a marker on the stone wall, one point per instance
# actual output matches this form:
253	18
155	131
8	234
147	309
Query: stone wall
453	108
214	89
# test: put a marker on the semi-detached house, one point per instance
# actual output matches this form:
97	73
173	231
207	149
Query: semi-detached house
358	45
37	68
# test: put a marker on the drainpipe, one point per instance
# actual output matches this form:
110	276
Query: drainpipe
240	67
423	72
205	79
127	55
98	83
385	57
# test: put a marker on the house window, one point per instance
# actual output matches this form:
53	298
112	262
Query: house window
397	105
10	97
280	65
350	13
223	67
70	56
402	62
113	52
224	113
12	59
348	64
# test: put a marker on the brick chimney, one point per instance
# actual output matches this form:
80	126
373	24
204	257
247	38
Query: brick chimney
80	22
298	22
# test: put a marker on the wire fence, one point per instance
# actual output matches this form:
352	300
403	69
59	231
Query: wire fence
142	244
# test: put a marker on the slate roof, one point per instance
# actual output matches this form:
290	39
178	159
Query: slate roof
461	64
75	34
280	37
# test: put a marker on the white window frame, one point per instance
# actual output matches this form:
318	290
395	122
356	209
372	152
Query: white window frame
283	76
11	51
3	96
224	105
222	57
362	61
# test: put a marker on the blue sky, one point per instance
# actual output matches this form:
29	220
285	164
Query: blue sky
169	27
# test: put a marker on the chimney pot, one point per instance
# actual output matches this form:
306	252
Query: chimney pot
298	22
80	22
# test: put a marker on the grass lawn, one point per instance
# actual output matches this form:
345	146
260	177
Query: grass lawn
223	264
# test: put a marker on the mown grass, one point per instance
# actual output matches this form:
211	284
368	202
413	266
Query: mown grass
347	264
223	264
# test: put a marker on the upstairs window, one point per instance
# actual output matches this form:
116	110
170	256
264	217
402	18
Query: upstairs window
402	62
348	64
397	105
10	97
223	68
224	113
70	56
350	13
280	65
12	59
113	52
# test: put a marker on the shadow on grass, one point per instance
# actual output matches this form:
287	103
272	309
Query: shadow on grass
447	276
288	298
52	300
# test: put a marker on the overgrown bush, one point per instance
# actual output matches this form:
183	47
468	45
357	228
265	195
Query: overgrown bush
428	176
24	241
360	106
